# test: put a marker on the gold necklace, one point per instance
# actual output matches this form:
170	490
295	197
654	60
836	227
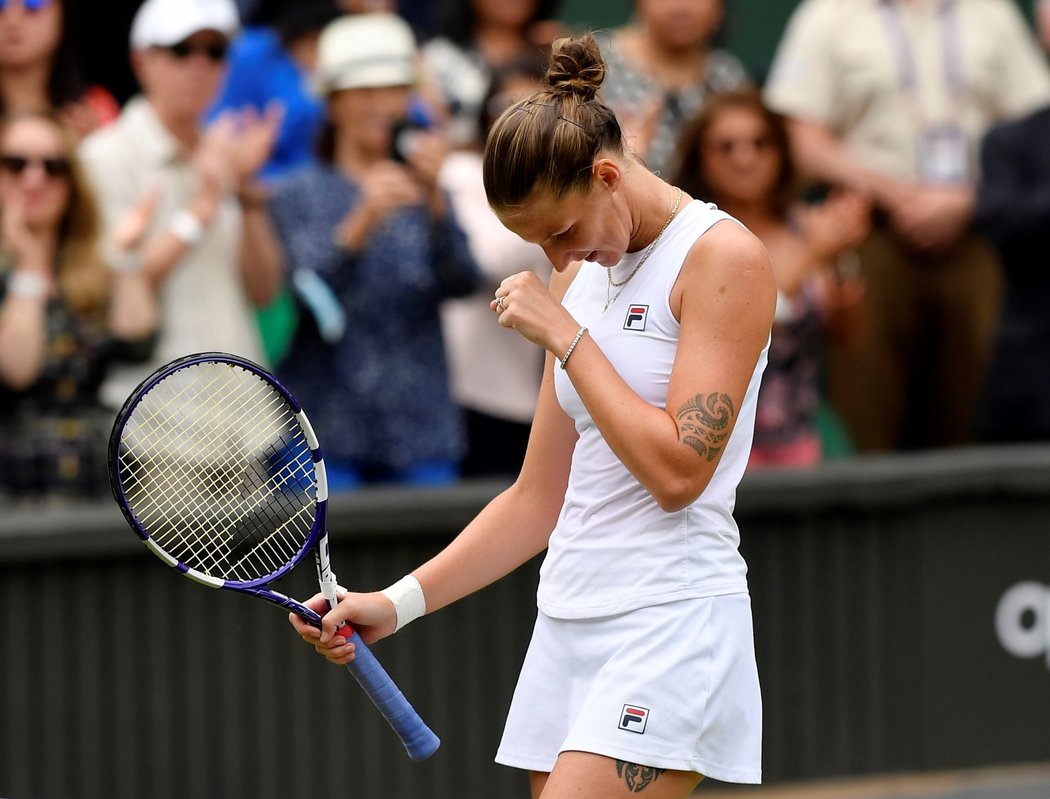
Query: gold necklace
609	300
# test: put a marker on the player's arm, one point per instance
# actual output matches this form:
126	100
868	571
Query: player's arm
517	524
724	298
514	527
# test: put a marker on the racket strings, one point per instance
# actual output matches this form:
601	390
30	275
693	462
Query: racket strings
217	470
178	472
228	530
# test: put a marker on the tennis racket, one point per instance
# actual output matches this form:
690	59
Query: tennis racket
217	469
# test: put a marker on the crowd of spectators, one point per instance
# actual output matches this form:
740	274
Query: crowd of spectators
298	182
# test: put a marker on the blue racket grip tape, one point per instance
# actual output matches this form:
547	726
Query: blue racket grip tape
418	738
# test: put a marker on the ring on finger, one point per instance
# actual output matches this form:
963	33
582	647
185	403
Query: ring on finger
499	305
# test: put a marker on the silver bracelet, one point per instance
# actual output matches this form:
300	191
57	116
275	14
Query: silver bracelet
575	341
407	596
27	284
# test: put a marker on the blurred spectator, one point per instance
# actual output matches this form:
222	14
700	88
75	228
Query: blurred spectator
368	6
373	249
890	98
497	410
271	62
473	38
206	280
1013	210
39	68
661	67
736	154
64	317
270	66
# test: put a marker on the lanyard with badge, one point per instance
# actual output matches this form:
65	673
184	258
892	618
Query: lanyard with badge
942	148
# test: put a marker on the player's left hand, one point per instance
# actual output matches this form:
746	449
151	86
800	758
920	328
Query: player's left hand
524	304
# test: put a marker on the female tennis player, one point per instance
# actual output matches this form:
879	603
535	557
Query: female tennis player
641	673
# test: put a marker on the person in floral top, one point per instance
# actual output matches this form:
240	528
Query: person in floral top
65	316
373	248
735	153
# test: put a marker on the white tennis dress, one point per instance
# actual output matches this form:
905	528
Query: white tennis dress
643	649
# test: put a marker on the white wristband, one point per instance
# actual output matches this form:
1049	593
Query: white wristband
407	596
27	284
186	227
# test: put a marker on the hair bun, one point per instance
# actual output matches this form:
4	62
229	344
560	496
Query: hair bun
576	67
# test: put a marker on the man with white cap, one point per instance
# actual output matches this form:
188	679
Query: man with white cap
207	284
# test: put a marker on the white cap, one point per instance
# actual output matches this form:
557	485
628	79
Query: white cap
361	51
162	23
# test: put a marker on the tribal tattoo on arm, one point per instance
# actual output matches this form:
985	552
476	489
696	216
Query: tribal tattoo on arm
703	423
637	778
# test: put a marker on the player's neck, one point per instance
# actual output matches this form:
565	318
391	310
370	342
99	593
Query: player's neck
654	199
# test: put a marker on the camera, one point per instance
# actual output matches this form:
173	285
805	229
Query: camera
403	137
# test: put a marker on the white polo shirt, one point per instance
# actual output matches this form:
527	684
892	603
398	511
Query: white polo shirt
203	305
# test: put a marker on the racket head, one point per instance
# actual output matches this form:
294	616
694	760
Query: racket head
217	469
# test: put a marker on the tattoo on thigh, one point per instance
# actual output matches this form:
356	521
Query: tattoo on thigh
637	778
703	423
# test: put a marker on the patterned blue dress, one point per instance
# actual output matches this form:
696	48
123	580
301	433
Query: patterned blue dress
379	394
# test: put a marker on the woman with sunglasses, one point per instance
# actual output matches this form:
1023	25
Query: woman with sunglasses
735	153
39	69
65	316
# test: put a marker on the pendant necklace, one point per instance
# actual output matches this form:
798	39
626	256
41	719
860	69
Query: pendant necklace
610	298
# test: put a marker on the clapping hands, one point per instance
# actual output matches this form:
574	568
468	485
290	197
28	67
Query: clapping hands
28	249
235	147
837	224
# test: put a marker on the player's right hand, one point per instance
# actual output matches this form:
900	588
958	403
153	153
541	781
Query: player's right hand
372	615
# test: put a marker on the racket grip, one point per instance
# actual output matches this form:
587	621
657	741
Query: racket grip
418	738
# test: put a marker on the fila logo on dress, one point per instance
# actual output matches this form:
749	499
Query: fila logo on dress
633	718
636	316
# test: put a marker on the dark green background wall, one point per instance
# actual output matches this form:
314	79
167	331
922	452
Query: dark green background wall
876	584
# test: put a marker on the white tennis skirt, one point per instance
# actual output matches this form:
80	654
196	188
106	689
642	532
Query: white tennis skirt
671	686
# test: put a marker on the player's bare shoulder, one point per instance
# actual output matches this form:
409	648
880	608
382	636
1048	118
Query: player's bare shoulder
728	266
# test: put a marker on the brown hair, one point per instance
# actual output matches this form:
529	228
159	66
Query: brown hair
691	174
83	277
549	140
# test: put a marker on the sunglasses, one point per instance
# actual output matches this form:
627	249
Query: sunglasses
17	164
28	5
183	50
